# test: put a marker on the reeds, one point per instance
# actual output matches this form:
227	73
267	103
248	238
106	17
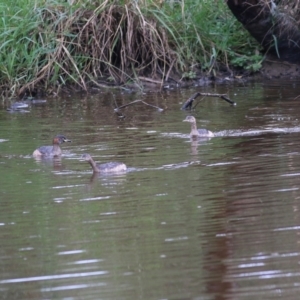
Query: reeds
49	45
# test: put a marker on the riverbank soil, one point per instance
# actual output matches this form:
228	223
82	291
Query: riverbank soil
274	68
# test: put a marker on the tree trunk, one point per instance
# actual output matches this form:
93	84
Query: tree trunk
276	30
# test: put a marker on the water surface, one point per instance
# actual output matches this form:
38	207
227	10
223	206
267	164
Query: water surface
213	219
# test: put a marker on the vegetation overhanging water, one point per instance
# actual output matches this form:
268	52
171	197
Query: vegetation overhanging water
50	45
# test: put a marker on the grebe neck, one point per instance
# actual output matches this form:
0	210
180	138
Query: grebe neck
194	131
94	165
56	149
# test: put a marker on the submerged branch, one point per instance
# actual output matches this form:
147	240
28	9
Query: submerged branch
189	102
117	109
136	101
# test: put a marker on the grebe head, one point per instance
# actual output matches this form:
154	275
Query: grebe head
86	157
59	139
189	119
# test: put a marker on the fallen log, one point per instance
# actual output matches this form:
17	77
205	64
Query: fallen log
272	24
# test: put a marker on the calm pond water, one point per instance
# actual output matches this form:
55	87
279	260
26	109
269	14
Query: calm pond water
215	219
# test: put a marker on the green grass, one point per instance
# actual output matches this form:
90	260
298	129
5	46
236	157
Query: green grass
47	45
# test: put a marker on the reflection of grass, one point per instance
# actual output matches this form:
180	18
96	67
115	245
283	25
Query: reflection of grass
50	44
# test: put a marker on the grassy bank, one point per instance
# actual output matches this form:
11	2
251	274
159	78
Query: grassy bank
47	45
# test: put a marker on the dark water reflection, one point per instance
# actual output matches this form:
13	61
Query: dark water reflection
215	219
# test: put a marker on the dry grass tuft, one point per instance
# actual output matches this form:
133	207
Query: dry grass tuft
110	43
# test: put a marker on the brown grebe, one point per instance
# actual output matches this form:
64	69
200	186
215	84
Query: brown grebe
197	132
105	167
51	151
